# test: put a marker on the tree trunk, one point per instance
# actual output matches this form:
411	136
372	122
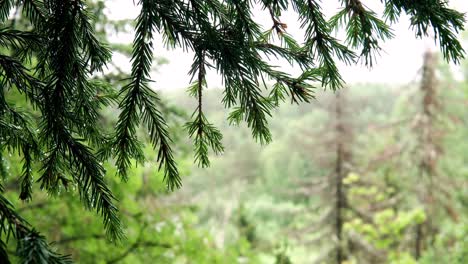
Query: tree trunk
339	174
429	151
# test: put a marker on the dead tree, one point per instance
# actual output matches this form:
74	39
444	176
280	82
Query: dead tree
333	147
343	159
428	150
332	153
428	129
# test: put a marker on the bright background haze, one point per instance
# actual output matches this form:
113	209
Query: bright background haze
399	62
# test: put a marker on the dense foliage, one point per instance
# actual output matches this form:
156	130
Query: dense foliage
54	94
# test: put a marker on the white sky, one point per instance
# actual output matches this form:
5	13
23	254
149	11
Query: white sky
400	59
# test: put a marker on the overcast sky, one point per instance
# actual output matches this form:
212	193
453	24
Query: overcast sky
399	62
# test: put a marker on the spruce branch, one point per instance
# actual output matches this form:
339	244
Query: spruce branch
5	7
97	54
32	246
298	89
446	23
16	75
204	134
3	169
140	101
3	253
26	177
23	43
63	63
320	44
35	11
363	29
16	134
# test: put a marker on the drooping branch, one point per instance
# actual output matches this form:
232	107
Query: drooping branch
140	102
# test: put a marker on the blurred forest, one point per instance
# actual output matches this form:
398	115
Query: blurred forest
373	173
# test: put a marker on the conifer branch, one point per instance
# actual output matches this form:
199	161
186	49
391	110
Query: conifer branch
22	43
31	246
320	44
3	253
363	28
205	135
35	12
446	23
63	64
15	75
5	7
16	134
140	100
96	53
3	169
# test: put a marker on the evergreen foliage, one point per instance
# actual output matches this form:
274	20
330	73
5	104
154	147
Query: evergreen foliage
53	61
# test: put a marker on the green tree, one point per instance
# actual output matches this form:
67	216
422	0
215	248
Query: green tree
51	63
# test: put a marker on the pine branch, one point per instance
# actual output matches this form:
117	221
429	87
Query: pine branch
5	7
159	136
97	54
3	253
15	75
174	20
3	169
363	28
22	43
92	97
242	84
299	89
10	221
275	11
253	108
66	73
15	132
140	101
31	247
205	134
320	44
26	177
35	11
445	23
293	56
